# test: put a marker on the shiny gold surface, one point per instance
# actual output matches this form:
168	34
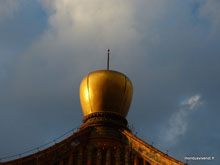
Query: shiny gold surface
106	91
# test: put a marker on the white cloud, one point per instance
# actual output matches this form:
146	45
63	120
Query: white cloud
105	23
192	103
178	122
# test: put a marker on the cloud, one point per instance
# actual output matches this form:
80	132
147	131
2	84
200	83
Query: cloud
91	22
178	123
192	103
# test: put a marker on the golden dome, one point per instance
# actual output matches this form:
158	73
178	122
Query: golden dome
106	91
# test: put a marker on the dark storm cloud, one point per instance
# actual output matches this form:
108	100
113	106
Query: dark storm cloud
169	50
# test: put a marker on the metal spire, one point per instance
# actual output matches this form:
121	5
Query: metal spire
108	59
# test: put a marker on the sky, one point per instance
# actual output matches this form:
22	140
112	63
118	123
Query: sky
168	48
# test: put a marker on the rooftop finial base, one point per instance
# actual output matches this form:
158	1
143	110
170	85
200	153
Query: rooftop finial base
104	118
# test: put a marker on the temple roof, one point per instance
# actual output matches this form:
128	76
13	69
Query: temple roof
99	145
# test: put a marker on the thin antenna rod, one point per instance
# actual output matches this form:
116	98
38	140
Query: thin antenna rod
108	59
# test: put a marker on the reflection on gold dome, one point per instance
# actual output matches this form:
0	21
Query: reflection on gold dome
106	91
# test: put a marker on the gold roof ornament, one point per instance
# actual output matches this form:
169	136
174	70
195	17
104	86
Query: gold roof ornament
106	91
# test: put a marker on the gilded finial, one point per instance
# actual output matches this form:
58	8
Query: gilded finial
106	91
108	59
